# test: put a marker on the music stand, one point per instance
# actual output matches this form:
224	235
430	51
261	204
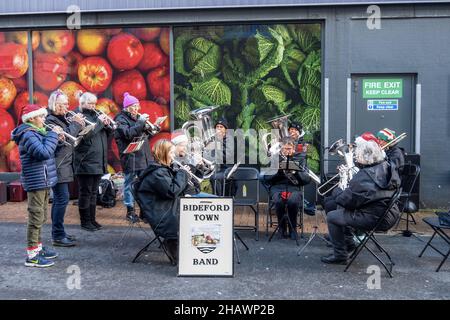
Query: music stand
288	165
229	176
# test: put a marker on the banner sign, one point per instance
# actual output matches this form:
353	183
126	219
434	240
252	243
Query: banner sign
382	105
382	88
206	237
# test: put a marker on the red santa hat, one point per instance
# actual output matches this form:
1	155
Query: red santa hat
369	136
30	111
179	137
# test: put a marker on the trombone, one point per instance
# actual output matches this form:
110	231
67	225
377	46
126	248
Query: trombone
90	125
112	124
76	141
394	141
191	175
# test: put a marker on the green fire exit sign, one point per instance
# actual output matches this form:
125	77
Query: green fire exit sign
382	88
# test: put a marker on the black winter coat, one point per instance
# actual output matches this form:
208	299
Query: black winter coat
396	156
158	192
368	195
129	128
280	181
64	152
91	155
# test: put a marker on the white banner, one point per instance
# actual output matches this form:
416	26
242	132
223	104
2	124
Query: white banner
206	237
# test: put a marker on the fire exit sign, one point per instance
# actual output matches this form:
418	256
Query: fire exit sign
382	88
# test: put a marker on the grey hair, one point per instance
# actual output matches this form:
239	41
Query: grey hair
87	97
53	97
368	152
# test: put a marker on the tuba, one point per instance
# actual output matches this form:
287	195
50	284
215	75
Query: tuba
281	124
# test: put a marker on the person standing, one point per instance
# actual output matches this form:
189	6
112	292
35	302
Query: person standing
37	155
90	161
131	125
58	104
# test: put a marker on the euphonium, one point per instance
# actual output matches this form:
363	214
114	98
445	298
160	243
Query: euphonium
190	174
280	123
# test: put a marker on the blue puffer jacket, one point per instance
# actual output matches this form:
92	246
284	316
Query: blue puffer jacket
37	155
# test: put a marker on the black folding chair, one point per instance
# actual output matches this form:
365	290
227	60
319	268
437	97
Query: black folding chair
370	235
156	238
409	174
248	177
439	229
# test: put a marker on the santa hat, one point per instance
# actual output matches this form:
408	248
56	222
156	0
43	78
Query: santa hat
386	135
179	137
30	111
129	100
368	136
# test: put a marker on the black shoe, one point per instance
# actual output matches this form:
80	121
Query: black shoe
88	226
71	237
97	225
64	242
293	235
351	247
331	259
132	217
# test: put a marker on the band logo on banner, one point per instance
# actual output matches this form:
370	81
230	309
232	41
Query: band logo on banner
206	237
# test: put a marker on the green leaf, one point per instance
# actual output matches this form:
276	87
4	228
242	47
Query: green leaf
311	95
311	119
304	38
214	90
203	56
180	44
292	60
283	31
245	118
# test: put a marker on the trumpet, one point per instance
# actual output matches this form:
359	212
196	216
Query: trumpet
111	123
152	128
190	174
87	128
76	140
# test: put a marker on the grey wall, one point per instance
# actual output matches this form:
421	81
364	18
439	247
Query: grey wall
420	35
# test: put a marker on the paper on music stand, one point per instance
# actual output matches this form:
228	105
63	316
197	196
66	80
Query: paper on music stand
233	170
134	146
160	120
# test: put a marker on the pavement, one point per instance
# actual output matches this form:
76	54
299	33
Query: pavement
268	270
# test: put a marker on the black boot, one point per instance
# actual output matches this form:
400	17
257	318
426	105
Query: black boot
171	246
131	215
85	218
97	225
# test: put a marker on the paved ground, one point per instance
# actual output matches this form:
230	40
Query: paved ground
268	270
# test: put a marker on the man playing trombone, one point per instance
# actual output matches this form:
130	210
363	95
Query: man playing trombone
394	153
58	107
132	126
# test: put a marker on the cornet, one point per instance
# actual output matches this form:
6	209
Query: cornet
190	174
76	141
152	128
87	128
111	123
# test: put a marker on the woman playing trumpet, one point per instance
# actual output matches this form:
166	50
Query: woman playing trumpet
91	161
158	190
58	107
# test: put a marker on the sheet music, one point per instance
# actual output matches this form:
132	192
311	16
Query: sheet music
233	170
160	120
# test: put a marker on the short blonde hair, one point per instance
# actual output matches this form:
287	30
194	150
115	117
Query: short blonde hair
86	98
54	97
161	151
368	152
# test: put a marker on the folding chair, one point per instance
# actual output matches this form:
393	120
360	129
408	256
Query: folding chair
439	230
409	174
249	176
370	235
156	238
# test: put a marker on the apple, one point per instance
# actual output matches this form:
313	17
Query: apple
91	42
159	136
158	81
130	81
13	160
112	31
95	74
71	88
153	57
21	37
49	70
58	41
164	40
7	92
6	126
125	51
146	34
14	60
155	110
23	99
108	106
73	59
21	83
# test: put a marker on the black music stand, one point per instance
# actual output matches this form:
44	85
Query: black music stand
289	165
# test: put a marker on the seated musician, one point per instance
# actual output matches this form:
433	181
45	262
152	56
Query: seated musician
394	153
297	133
196	164
285	189
364	201
158	191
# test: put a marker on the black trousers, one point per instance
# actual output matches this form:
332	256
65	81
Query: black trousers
87	196
293	204
340	232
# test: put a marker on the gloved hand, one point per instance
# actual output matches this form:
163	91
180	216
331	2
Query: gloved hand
143	117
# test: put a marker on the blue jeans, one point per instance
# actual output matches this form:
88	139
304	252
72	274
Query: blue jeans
60	201
128	199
